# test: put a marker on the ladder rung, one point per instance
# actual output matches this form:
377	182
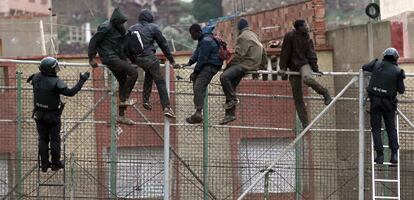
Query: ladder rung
387	163
385	197
387	180
51	184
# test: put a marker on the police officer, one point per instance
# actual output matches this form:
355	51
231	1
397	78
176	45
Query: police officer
47	88
386	80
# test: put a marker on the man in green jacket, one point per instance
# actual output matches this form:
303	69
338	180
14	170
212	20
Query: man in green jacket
249	55
108	41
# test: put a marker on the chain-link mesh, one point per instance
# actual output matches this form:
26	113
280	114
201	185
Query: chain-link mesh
104	161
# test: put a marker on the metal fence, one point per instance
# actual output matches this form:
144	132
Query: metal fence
206	161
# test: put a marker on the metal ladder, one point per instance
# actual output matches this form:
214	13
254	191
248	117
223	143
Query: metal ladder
385	181
40	183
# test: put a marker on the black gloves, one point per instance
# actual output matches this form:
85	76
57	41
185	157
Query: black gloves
84	76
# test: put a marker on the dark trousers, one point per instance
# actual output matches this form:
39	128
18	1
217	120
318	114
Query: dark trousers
151	66
201	82
383	107
48	127
126	75
230	79
296	84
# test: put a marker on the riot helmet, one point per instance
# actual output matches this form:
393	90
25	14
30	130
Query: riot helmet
49	66
391	54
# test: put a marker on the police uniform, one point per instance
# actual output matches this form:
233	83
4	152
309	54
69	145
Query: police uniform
386	80
48	108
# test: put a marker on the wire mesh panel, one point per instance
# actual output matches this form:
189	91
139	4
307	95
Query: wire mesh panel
207	161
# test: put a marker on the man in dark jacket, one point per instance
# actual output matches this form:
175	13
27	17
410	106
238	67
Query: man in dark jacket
150	33
298	54
47	88
108	41
208	64
249	55
386	80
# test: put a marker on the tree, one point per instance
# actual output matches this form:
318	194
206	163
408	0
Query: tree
205	10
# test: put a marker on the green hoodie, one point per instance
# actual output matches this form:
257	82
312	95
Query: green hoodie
109	38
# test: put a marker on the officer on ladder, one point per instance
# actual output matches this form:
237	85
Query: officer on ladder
386	80
47	88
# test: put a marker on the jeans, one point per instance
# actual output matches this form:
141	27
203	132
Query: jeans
296	84
201	82
151	66
230	79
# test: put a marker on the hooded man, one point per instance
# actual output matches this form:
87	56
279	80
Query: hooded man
249	55
386	80
150	33
47	88
208	64
298	54
108	42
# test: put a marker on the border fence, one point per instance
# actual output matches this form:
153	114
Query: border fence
264	154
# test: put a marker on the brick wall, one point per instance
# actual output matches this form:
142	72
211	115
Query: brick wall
274	23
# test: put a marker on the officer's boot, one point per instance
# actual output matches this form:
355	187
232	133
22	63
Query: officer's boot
380	157
394	157
57	165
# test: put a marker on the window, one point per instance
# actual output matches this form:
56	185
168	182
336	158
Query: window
44	1
32	1
3	78
4	176
256	154
140	172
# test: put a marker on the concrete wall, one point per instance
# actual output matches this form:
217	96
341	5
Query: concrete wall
406	20
390	8
31	6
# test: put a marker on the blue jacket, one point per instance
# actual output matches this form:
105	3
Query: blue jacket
207	51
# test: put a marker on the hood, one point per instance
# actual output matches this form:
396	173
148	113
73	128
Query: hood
146	16
208	29
118	18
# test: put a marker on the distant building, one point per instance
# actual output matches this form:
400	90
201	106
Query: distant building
233	6
23	7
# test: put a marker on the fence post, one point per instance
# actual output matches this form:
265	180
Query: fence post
19	135
167	139
361	134
205	146
298	156
113	158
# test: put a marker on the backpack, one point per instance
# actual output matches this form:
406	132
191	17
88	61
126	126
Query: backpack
133	44
224	53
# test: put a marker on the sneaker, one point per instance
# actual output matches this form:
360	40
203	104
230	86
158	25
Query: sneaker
227	119
194	119
394	158
57	165
168	112
147	105
128	102
124	120
231	103
44	167
327	98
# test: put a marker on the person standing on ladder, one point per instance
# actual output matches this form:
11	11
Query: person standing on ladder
386	80
47	88
298	54
108	41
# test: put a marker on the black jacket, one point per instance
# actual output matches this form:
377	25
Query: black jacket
387	78
109	38
298	50
151	33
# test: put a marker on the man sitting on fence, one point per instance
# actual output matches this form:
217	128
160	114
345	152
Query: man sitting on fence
208	64
47	88
249	55
298	54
